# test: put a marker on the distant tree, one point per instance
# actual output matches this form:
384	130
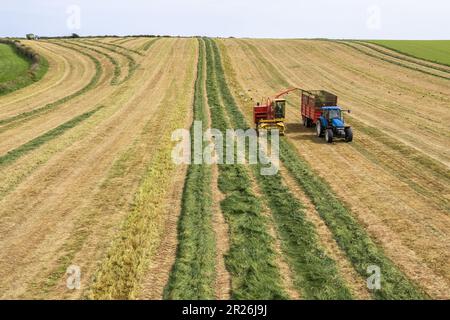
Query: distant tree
30	36
74	35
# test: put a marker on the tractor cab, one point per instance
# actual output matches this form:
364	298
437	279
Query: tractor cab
333	115
279	108
331	123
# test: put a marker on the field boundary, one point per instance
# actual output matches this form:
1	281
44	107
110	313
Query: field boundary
36	71
408	54
25	116
404	56
347	44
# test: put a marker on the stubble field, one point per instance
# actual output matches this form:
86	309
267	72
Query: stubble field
87	177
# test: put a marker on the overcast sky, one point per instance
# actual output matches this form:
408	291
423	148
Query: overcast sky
374	19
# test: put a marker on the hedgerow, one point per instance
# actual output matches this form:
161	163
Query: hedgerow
251	258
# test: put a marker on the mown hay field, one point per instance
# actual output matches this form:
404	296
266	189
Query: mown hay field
87	177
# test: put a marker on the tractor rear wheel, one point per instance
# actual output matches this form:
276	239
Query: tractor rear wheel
319	129
306	123
348	135
329	136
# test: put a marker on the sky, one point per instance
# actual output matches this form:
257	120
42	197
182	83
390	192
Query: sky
349	19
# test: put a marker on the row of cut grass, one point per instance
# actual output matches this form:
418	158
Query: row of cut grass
121	47
132	64
115	63
251	258
315	274
193	273
149	44
15	154
28	115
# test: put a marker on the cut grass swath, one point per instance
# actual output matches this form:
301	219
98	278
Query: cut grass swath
316	275
193	273
117	70
122	48
149	44
15	154
25	116
132	64
251	259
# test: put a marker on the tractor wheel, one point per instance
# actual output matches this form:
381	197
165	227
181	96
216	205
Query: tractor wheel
319	129
306	123
348	135
329	136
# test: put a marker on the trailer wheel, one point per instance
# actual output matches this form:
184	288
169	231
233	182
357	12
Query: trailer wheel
307	123
319	129
348	135
329	136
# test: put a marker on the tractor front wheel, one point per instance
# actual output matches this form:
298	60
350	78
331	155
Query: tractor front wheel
348	135
329	136
319	129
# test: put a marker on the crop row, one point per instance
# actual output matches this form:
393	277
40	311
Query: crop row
123	48
120	274
251	258
115	63
27	147
193	274
132	64
149	44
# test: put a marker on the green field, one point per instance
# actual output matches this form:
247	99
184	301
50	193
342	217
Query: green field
432	50
12	65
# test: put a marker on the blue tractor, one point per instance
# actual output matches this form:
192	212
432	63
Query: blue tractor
320	108
331	125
